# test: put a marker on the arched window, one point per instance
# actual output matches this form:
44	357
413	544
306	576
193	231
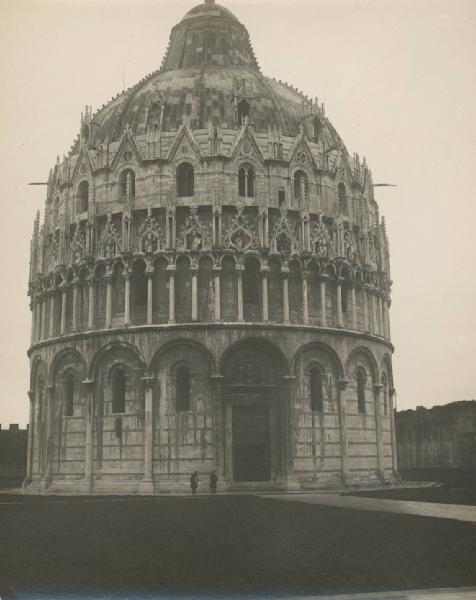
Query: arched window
119	390
182	389
83	193
343	204
243	111
385	394
246	182
316	388
128	185
300	185
361	378
69	395
185	180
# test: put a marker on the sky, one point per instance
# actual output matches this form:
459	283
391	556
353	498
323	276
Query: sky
398	81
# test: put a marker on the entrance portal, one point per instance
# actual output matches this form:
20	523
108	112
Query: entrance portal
251	443
253	416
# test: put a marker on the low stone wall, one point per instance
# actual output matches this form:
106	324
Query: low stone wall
13	451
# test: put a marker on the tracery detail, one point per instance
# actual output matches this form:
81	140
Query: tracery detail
239	235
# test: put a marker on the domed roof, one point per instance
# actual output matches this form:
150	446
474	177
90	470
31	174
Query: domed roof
208	69
209	9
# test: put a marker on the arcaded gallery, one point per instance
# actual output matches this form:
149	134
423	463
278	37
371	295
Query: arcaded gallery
210	288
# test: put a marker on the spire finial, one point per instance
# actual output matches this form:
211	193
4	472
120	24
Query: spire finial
209	2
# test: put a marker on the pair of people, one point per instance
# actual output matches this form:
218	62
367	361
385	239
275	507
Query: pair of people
194	482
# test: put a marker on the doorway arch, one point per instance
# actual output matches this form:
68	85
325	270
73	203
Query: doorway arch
254	409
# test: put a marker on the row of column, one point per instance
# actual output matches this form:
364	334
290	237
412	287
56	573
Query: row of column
289	446
375	321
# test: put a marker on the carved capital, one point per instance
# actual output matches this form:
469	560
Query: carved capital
148	380
88	383
342	383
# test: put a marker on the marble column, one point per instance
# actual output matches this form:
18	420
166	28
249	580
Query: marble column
49	435
239	279
289	437
91	303
344	451
216	283
150	297
393	434
38	320
265	302
284	274
194	272
89	446
381	315
378	431
322	285
63	309
75	305
354	308
219	426
365	306
171	270
373	308
43	317
340	320
147	485
52	313
127	298
387	317
33	322
305	302
108	279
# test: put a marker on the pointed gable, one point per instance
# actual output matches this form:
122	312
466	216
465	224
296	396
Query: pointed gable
184	146
245	146
127	151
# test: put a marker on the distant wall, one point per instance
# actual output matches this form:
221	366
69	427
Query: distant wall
439	437
13	452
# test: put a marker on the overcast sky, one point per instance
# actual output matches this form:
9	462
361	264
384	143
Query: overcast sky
398	79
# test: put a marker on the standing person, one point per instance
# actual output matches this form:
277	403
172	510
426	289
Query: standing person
194	482
213	482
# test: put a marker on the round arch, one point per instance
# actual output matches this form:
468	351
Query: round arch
105	350
182	342
255	343
59	358
323	348
38	367
370	359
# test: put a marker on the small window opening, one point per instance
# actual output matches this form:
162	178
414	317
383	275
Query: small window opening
243	111
185	180
246	182
182	400
119	391
361	381
343	298
83	191
315	380
69	395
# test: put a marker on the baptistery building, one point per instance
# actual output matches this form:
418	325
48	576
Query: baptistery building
210	288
